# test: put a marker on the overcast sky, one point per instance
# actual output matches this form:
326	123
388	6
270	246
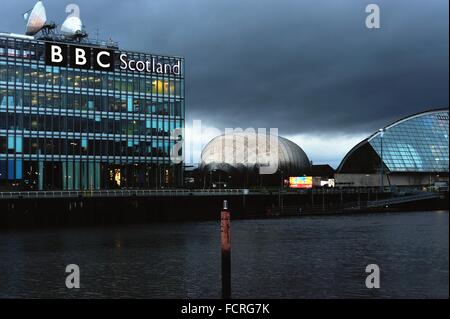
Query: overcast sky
310	68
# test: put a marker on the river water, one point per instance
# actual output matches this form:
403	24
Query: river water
307	257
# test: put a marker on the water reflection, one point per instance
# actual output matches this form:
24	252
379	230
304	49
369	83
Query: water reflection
282	258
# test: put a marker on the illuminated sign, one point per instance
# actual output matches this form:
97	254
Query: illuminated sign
300	182
99	59
149	66
80	57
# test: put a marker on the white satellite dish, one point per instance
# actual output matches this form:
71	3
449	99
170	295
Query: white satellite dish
72	26
36	19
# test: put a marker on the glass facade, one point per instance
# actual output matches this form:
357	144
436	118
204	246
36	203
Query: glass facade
64	128
417	144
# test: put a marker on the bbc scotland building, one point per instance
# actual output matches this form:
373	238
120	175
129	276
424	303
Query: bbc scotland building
80	128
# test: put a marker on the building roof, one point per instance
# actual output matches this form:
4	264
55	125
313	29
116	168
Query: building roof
323	170
416	143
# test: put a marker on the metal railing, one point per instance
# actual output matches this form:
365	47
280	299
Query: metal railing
403	199
120	193
205	192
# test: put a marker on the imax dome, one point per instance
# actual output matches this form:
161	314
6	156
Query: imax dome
241	153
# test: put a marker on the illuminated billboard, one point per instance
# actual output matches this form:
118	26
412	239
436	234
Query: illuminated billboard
300	182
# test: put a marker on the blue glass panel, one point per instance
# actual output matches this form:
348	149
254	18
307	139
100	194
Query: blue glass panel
19	169
418	144
10	169
130	104
11	142
19	144
8	100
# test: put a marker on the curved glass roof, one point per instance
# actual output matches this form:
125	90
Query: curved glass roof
418	143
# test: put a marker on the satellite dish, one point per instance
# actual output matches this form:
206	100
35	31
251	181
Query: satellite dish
36	19
72	26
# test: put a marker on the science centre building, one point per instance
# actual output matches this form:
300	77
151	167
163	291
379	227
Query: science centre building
412	151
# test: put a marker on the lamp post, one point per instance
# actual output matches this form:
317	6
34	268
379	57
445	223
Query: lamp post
381	160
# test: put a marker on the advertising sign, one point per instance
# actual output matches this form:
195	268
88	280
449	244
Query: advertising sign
300	182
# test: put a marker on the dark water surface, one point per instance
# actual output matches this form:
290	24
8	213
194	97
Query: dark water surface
307	257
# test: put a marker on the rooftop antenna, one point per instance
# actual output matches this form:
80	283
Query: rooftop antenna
37	20
72	27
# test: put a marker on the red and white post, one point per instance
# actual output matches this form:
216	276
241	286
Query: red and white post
226	251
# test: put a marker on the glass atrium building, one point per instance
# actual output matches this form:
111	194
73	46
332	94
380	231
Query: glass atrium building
414	147
64	128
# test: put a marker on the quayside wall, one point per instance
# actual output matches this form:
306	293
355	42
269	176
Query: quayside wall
85	209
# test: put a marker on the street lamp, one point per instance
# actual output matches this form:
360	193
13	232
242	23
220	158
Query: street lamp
381	130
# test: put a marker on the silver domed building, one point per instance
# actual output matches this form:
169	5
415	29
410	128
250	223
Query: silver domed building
243	159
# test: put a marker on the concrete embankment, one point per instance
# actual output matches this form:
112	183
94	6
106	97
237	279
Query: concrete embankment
84	209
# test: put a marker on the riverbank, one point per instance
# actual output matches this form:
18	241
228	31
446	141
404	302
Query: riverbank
77	211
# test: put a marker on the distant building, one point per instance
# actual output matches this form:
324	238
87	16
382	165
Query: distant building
412	151
234	160
322	170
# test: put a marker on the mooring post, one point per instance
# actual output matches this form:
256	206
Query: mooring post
323	200
226	251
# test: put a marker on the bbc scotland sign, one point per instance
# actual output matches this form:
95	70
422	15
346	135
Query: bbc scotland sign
100	59
79	57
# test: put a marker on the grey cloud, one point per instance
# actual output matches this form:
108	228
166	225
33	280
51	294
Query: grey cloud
301	66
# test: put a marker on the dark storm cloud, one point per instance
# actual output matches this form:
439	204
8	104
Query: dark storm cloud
297	65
